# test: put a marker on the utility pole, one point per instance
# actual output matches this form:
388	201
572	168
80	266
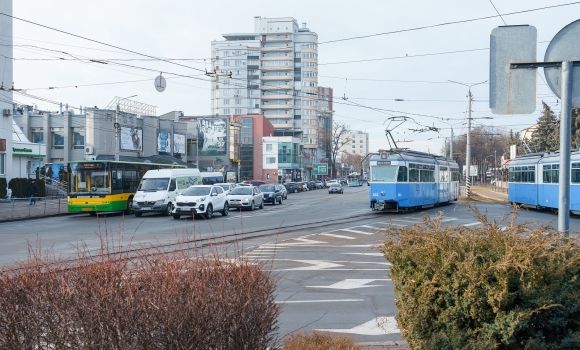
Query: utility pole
451	145
468	150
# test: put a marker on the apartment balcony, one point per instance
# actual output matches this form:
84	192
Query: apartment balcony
276	77
281	116
277	106
276	87
253	77
276	97
277	49
275	68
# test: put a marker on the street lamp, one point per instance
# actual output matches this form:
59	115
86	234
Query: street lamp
118	127
468	150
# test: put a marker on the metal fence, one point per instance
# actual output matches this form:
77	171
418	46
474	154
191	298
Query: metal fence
500	186
21	207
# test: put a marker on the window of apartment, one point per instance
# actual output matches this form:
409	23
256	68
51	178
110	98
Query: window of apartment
238	111
57	138
77	136
353	146
270	160
226	82
361	146
37	135
360	141
237	63
268	147
237	53
226	53
238	101
2	163
226	63
309	74
226	111
226	101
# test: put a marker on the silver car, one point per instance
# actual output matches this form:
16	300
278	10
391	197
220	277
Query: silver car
249	197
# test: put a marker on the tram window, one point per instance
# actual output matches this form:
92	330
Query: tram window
413	173
454	174
555	173
402	175
547	174
575	173
443	176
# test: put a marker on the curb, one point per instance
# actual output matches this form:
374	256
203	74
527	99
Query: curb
35	217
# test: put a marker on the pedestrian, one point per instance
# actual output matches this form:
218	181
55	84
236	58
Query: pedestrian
32	189
49	174
37	171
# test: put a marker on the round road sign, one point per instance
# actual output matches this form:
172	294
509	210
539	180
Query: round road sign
160	83
564	47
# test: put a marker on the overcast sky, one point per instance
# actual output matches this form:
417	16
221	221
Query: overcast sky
411	66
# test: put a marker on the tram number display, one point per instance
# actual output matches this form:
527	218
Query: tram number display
383	163
90	165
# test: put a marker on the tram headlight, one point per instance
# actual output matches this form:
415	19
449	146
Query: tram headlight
383	193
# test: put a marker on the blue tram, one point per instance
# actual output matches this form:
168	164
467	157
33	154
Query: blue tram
534	180
404	180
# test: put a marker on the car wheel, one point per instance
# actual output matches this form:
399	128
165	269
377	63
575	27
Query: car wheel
169	209
275	201
280	200
129	209
138	214
209	212
296	190
226	210
252	206
262	204
176	216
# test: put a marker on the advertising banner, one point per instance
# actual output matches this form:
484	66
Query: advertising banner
179	142
184	182
164	142
213	137
131	139
231	176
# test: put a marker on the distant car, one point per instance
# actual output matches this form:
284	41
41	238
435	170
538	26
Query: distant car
248	197
255	183
318	184
305	186
283	190
311	185
226	186
330	182
272	194
335	188
293	187
201	199
342	180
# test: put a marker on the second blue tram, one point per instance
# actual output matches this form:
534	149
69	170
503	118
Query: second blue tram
404	180
534	180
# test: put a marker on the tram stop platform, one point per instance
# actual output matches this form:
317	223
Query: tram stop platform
490	193
16	209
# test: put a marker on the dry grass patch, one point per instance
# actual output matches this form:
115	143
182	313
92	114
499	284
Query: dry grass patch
320	341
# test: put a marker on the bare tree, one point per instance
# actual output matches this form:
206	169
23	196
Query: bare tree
334	142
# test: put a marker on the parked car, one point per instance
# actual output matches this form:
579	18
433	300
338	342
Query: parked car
283	191
272	194
318	184
342	180
249	197
305	186
335	188
255	183
201	199
226	186
293	187
311	185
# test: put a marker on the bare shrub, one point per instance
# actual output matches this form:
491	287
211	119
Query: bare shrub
487	287
320	341
145	299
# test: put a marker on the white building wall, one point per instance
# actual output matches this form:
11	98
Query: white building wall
273	153
6	67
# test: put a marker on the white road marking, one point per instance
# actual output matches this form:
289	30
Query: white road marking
472	224
448	219
377	326
409	221
336	236
301	242
373	227
314	265
317	301
367	254
355	231
352	283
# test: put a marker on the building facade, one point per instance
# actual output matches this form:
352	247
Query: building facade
6	66
282	159
274	72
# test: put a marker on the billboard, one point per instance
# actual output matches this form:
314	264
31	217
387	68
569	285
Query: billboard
179	143
131	139
213	137
164	142
320	169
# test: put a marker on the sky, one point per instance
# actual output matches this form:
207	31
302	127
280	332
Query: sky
413	59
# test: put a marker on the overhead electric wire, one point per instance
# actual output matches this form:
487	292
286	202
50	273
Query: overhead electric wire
449	23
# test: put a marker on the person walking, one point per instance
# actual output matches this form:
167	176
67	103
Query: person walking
49	174
32	189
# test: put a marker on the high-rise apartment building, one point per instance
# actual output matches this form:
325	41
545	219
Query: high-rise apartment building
272	71
354	142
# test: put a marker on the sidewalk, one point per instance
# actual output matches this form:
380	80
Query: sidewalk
488	193
20	208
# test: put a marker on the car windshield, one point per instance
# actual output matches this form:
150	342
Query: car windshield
335	185
154	184
242	190
225	187
196	191
267	188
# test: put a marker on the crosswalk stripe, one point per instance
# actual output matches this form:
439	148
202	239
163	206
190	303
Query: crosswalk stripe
472	224
356	231
337	236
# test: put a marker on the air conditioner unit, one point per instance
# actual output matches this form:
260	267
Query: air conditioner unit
6	112
89	150
280	172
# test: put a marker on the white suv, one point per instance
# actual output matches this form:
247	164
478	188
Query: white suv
201	199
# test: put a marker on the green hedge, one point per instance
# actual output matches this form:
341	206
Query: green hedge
19	187
488	287
3	190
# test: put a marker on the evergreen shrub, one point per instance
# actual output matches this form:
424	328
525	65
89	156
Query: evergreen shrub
486	287
19	187
3	186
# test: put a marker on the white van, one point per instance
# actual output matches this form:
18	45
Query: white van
158	189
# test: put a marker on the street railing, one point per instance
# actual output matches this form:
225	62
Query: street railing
500	186
21	208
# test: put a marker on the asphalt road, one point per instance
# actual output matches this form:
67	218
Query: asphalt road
320	245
